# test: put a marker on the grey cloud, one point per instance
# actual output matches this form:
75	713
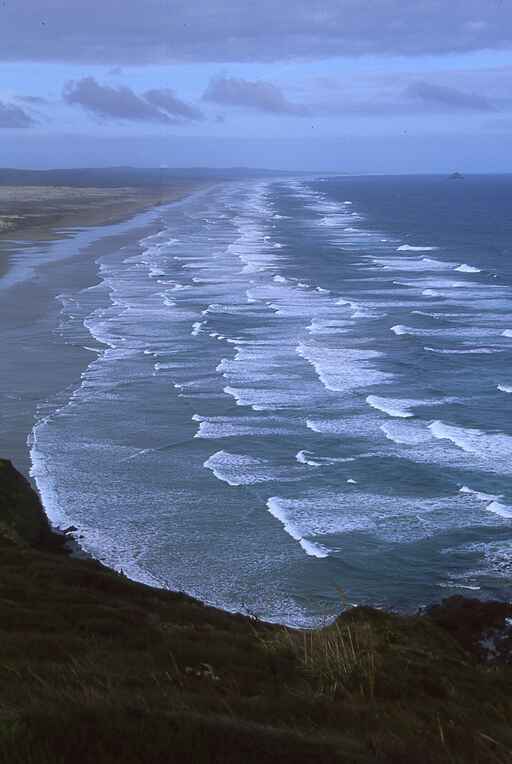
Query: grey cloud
381	93
122	103
166	100
14	116
347	99
260	95
152	31
447	98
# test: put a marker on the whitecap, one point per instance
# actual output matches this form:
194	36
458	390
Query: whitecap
389	406
494	449
344	369
400	329
240	469
410	434
469	351
467	269
302	457
279	508
500	509
478	494
409	248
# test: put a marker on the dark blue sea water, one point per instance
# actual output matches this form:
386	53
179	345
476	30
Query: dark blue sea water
298	386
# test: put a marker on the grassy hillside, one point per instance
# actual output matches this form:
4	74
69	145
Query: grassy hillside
96	668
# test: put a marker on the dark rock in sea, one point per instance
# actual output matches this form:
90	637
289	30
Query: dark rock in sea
456	176
482	628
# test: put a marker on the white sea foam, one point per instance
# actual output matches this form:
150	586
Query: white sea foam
215	427
348	426
329	326
478	494
507	333
505	388
391	406
493	503
495	449
240	469
500	509
460	332
280	509
393	518
467	351
320	461
303	458
411	434
263	399
413	264
341	370
400	329
467	268
409	248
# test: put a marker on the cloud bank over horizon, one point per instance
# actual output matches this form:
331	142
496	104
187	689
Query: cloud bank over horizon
223	70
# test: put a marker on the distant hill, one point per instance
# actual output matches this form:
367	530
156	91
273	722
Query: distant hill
111	177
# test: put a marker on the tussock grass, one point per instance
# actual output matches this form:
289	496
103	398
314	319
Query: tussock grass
341	659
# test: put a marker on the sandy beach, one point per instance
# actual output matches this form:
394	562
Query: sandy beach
41	213
36	208
51	240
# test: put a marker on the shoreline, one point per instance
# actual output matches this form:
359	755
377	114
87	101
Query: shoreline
34	215
137	222
45	263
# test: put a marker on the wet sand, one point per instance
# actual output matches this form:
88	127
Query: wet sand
41	260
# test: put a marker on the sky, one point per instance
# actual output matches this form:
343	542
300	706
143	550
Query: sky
337	85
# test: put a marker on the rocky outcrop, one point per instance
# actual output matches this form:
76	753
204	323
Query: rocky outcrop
22	517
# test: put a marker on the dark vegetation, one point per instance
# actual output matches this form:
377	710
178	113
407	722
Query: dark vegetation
95	668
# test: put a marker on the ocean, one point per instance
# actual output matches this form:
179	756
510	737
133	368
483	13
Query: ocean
298	395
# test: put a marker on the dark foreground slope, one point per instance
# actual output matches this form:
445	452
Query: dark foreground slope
96	668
